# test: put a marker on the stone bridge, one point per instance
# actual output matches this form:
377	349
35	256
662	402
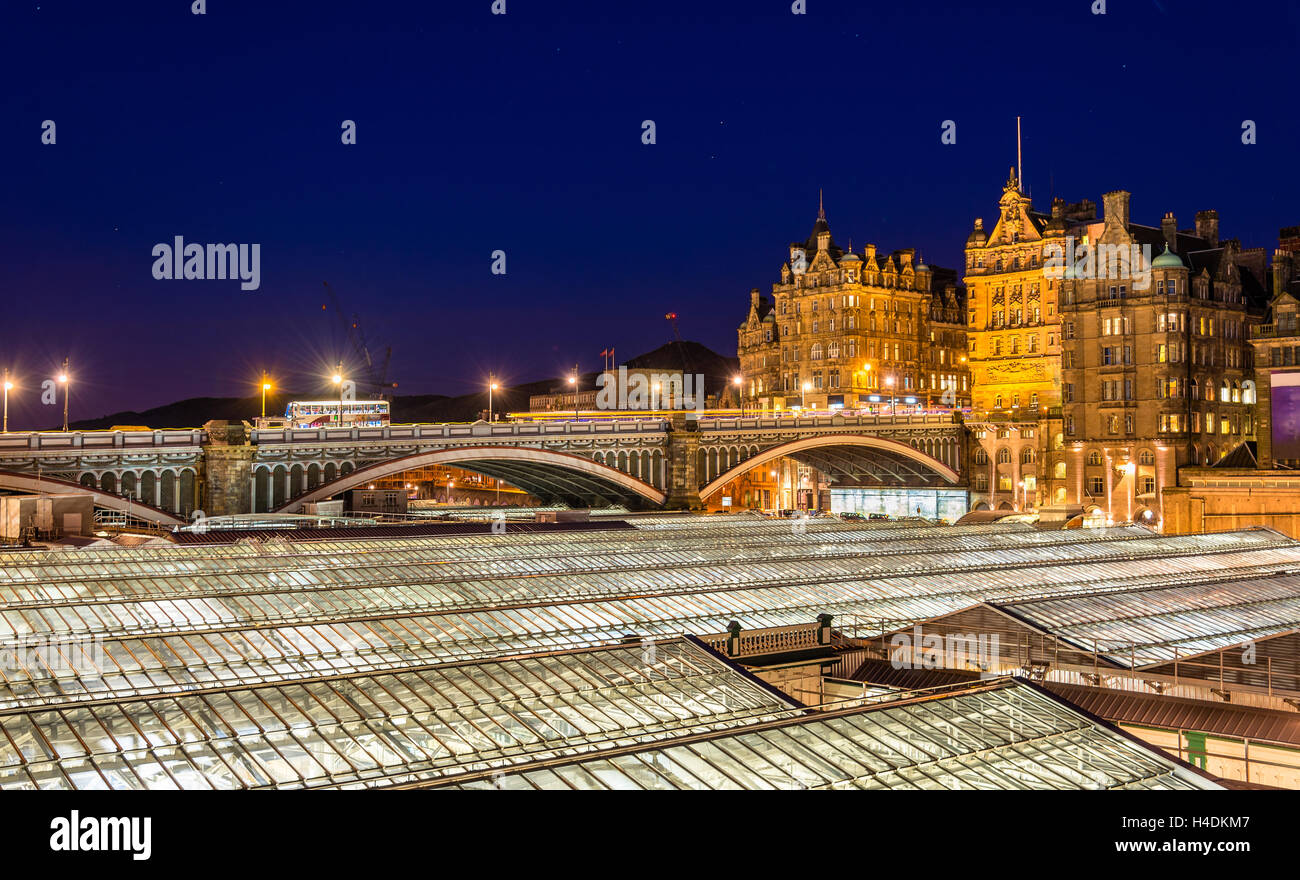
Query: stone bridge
228	468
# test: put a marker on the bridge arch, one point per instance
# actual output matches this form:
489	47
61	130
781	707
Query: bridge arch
31	485
900	459
542	473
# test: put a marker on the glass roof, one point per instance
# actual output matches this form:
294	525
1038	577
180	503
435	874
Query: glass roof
1005	735
420	723
251	618
108	641
1155	623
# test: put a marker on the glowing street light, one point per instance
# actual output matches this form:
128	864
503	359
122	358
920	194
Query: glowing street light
450	485
573	384
338	380
492	386
65	379
736	380
8	385
803	394
266	386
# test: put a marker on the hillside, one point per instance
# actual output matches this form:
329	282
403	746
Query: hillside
692	357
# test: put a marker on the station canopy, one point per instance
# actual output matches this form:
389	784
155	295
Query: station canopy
102	629
1004	734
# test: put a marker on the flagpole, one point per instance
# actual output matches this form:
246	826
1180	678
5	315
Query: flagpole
1020	173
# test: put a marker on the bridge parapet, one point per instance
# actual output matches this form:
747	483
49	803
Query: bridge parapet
439	432
877	422
60	441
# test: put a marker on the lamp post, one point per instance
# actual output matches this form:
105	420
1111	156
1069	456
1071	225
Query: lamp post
492	386
736	380
573	384
338	380
266	386
889	382
8	385
803	394
66	380
450	485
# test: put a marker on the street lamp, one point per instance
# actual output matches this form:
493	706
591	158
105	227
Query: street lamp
65	380
450	485
573	384
736	380
803	394
8	385
338	380
492	386
266	386
889	383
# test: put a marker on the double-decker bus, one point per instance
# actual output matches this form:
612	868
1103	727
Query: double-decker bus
326	413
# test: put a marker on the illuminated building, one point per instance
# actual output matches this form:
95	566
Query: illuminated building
1156	359
1014	340
856	331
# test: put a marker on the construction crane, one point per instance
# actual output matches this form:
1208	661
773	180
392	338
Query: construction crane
372	377
671	317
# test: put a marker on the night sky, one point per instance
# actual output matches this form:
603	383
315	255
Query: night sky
522	133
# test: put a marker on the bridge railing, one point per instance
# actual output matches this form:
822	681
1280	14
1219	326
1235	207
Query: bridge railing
458	431
729	423
28	441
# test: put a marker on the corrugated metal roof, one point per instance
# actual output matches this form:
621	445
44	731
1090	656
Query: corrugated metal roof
1171	713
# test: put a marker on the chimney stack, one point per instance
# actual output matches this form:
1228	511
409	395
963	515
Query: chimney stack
1115	208
1283	266
1207	226
1169	225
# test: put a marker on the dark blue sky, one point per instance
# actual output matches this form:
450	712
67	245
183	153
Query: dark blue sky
522	133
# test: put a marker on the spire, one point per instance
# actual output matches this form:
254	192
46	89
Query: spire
1013	182
821	208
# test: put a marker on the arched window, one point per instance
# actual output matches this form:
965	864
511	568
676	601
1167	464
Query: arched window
1146	456
1060	470
980	456
1004	455
1094	457
1027	455
816	353
833	350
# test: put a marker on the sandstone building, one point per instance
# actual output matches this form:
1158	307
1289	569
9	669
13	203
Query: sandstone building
855	331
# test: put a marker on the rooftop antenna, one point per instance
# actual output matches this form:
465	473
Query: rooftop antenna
821	209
